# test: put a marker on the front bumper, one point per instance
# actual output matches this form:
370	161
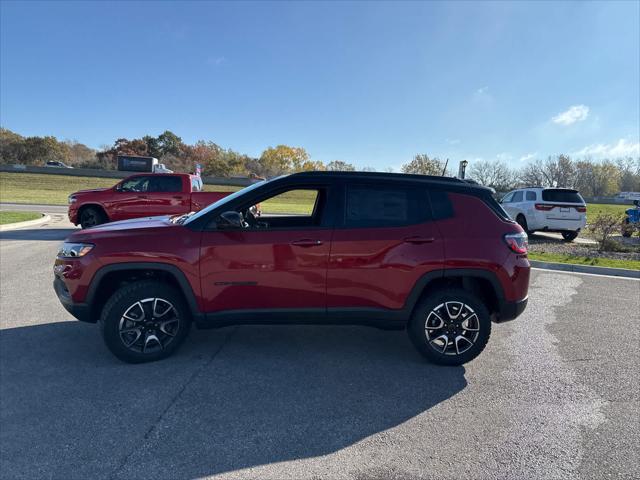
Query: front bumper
80	311
510	310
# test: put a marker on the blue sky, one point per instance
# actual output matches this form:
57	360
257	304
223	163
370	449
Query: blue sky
369	83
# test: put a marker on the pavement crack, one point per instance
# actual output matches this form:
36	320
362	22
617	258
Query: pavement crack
172	402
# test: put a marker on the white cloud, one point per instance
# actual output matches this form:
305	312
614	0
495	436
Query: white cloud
576	113
621	148
482	90
528	156
216	60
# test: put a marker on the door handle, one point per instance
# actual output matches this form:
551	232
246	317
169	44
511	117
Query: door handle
306	242
419	240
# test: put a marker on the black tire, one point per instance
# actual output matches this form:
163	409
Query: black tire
569	235
627	229
169	334
522	221
426	340
91	217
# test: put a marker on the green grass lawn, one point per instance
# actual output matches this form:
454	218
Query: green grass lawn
577	260
14	217
41	188
595	209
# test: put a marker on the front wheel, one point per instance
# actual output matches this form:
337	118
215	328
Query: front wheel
91	217
144	321
569	236
450	327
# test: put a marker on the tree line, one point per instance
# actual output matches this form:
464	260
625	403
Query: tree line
168	148
592	178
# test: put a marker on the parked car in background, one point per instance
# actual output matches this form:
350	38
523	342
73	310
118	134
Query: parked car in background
56	164
547	209
147	195
436	256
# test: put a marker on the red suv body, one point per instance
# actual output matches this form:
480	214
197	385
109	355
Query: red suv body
435	255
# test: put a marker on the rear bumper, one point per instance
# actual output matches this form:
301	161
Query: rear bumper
510	310
80	311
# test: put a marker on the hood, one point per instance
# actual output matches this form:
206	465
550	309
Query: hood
123	226
92	190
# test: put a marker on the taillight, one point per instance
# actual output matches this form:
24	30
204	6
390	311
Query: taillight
582	209
543	207
517	242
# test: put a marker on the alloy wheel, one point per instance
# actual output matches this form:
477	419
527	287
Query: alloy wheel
149	325
452	328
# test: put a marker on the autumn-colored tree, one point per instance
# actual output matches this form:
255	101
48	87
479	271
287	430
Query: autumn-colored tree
340	166
283	159
422	164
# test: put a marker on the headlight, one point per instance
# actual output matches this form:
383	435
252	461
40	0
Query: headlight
73	250
72	199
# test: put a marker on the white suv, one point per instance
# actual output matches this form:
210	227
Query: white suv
547	209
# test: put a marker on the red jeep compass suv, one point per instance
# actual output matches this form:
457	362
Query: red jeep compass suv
435	255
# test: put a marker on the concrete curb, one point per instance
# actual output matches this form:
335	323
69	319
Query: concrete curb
29	223
568	267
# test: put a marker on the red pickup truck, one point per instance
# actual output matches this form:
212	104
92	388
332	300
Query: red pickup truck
145	195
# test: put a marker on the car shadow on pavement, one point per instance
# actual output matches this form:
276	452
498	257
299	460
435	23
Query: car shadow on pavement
230	399
40	234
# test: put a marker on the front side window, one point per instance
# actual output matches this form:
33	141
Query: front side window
291	202
517	197
381	205
136	184
507	198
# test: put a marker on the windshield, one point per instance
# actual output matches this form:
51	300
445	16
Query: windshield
222	201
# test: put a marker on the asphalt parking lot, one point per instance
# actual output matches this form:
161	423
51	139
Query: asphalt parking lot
554	395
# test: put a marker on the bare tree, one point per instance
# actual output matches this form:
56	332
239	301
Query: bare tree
494	174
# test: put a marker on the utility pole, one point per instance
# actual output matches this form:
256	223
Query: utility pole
462	168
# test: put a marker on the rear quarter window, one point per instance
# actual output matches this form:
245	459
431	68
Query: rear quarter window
562	195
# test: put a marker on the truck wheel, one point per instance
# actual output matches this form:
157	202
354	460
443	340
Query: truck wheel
144	321
450	327
91	216
569	236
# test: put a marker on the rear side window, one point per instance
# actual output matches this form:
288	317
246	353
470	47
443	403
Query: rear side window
384	206
517	197
531	196
440	205
165	184
562	195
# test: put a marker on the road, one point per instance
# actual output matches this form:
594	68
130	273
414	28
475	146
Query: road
554	395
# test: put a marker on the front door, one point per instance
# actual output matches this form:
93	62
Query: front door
276	263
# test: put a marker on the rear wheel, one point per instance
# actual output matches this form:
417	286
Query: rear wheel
569	236
450	327
522	221
144	321
627	228
92	216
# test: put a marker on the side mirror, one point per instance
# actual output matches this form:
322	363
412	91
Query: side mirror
229	220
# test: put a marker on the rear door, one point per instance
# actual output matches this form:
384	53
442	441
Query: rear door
383	242
167	195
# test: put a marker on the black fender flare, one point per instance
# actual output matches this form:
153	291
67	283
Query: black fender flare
174	271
